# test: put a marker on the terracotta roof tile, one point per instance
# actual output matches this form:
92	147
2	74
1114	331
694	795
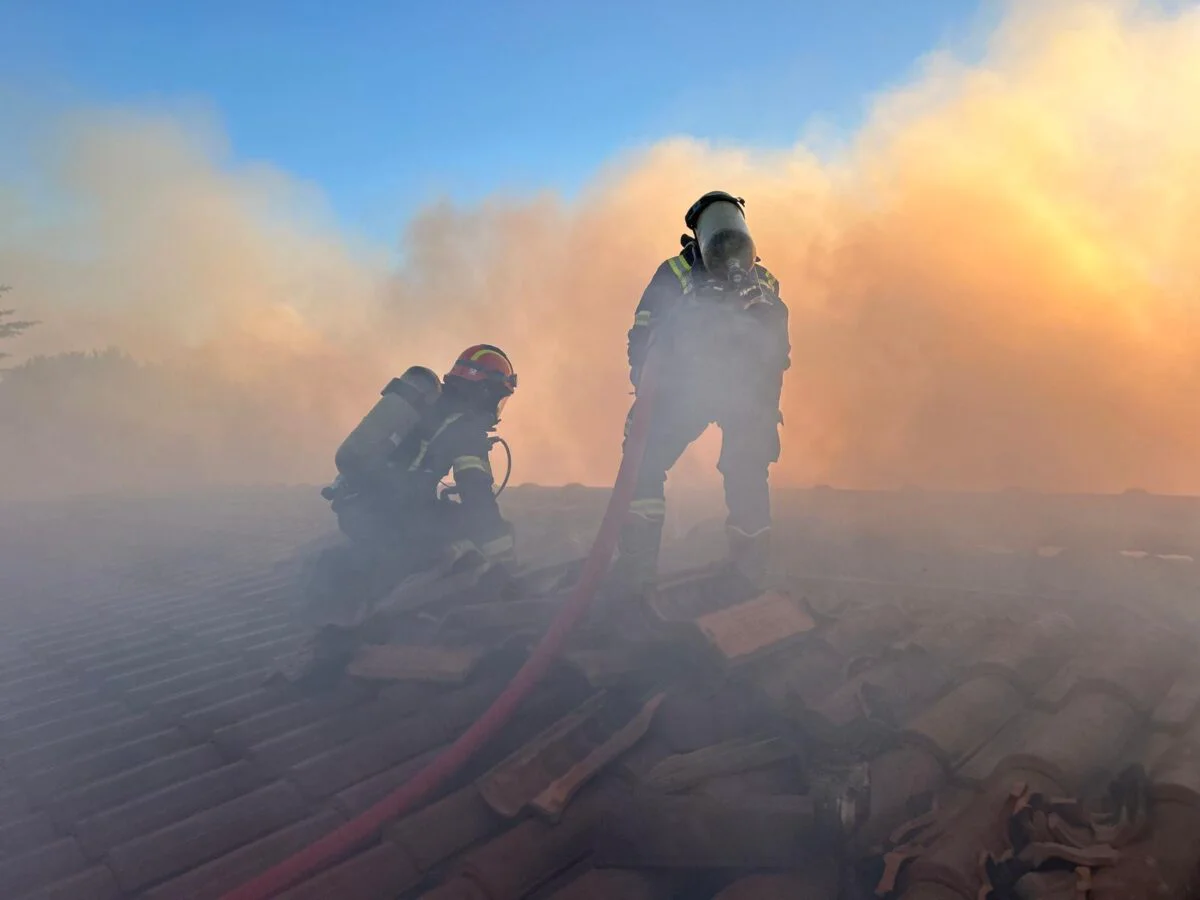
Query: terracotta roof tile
25	834
444	828
258	730
140	737
73	775
381	873
334	770
613	884
38	868
161	808
212	879
231	709
529	854
83	742
815	883
96	883
160	772
459	888
962	722
189	842
1080	743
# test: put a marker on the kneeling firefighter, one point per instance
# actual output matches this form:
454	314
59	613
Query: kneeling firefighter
714	321
390	467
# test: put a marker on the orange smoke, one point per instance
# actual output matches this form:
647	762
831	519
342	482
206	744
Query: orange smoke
993	285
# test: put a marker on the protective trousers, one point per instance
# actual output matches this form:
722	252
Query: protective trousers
750	443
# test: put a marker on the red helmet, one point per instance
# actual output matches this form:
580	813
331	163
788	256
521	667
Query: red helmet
487	364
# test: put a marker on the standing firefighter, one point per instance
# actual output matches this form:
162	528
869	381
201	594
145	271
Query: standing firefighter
713	321
390	467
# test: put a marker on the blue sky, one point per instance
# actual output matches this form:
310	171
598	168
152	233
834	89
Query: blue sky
386	105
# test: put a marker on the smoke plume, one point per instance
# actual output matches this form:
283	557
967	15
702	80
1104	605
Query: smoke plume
992	284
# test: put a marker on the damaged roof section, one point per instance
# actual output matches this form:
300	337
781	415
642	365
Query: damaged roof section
834	737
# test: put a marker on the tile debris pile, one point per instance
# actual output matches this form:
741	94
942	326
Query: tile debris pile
833	738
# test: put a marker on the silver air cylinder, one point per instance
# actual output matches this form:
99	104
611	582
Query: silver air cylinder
724	241
365	452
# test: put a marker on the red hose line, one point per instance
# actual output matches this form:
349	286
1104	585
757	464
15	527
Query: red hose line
365	826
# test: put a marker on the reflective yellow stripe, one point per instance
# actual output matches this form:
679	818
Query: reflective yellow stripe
467	463
450	420
771	281
641	319
749	534
499	546
682	269
459	549
649	508
480	354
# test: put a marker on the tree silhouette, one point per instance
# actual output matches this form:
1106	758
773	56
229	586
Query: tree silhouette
10	327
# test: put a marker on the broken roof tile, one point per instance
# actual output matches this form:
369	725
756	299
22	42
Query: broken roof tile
515	781
685	770
192	642
747	630
952	860
554	799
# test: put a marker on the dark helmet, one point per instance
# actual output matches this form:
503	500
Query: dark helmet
693	214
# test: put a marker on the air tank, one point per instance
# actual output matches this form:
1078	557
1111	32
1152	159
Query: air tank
365	452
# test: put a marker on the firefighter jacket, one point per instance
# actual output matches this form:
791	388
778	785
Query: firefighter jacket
451	438
729	343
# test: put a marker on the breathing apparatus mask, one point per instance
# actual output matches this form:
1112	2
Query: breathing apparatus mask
722	237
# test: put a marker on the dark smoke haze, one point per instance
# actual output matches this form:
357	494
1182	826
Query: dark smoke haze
993	284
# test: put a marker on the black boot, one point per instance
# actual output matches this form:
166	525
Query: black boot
750	554
636	567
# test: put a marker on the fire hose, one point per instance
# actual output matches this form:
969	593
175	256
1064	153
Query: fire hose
365	826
